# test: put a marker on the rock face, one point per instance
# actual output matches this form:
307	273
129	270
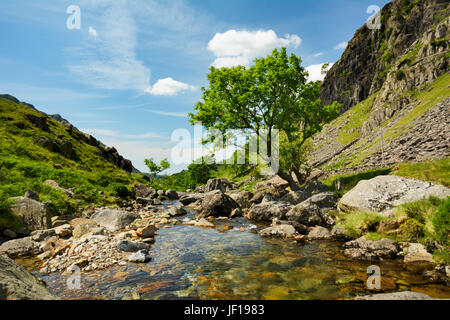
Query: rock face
314	211
382	67
354	77
114	220
33	213
403	295
217	205
383	193
280	230
363	249
269	210
16	283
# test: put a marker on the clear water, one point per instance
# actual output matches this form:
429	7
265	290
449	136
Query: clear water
190	262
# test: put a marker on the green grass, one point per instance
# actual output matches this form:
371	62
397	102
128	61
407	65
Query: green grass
356	117
434	171
358	224
349	181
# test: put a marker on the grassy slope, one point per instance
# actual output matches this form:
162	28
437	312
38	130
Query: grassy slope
25	165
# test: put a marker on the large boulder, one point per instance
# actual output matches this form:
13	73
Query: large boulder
314	211
187	198
300	228
276	181
308	190
33	213
279	230
259	194
143	191
217	184
20	247
171	194
217	205
242	197
16	283
267	211
114	220
383	193
363	249
319	233
417	253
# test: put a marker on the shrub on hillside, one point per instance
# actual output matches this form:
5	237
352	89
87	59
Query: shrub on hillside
441	223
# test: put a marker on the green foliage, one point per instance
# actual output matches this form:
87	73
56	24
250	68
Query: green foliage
7	219
414	211
357	224
441	223
271	94
121	190
412	230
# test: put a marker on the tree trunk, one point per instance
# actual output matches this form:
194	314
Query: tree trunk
288	177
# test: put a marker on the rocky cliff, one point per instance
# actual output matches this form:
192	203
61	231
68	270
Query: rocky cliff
394	86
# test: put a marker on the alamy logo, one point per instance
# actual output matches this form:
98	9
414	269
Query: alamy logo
374	22
74	280
74	20
374	280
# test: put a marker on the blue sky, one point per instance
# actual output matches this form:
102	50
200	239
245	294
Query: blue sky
134	69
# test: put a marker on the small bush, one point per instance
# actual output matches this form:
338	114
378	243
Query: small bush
359	223
121	190
412	230
414	211
441	223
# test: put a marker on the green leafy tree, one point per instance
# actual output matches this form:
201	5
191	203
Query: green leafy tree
271	94
154	168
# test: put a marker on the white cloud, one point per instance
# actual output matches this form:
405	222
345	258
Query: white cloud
168	87
111	62
92	32
117	134
315	72
318	54
234	47
169	114
341	46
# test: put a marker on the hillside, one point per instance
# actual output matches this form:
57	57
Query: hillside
394	84
34	147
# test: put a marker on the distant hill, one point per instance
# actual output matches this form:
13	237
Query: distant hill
35	147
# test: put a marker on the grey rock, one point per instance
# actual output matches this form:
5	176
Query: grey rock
300	228
141	256
383	193
143	191
16	283
131	246
33	213
40	235
217	205
242	197
339	233
114	220
319	233
268	211
403	295
363	249
217	184
20	247
280	230
314	211
172	194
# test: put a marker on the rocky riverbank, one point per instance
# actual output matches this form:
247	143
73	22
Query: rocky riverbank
105	238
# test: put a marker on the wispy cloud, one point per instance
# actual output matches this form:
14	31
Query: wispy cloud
341	46
169	87
169	114
110	61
